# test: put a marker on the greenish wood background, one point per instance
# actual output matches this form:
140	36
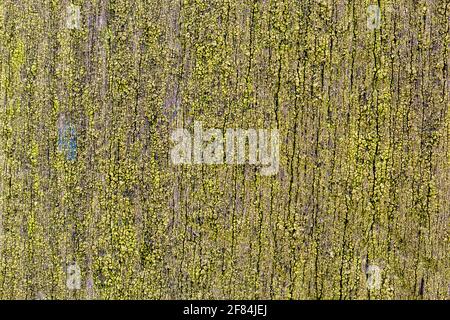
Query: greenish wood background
364	124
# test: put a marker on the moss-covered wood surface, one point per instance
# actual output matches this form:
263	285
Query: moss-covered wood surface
86	183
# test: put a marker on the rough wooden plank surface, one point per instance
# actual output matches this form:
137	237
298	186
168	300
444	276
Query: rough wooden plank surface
91	205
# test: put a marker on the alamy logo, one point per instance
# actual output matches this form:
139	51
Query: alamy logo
373	274
73	19
208	147
373	17
73	281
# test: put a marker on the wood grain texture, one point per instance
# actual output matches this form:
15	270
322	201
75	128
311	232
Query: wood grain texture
363	115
